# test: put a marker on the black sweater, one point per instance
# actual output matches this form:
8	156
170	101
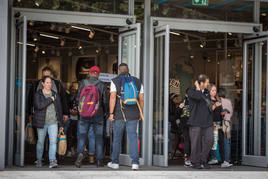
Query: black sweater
200	114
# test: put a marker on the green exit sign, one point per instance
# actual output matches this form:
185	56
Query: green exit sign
200	2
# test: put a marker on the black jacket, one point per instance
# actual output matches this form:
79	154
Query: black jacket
104	100
61	92
200	114
40	108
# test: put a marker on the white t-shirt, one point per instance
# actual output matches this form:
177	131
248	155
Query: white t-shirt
113	88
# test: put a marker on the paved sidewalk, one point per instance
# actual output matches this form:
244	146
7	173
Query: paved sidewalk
90	171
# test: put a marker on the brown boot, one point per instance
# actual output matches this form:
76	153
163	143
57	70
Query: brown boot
91	159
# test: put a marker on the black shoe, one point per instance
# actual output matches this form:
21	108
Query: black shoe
206	166
78	162
99	163
197	166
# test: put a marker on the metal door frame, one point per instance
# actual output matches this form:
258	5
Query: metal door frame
51	16
163	31
134	29
256	39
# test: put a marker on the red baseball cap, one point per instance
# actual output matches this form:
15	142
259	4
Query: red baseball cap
94	69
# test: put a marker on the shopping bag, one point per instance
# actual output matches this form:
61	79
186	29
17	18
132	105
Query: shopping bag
29	134
62	143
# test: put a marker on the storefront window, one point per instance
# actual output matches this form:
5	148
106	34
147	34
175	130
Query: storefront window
97	6
231	10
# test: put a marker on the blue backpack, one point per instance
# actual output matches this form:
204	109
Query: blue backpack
129	90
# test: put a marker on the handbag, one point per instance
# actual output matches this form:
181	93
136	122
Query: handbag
62	143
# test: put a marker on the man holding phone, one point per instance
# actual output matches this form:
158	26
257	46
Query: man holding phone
200	122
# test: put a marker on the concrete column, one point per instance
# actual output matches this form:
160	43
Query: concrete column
3	77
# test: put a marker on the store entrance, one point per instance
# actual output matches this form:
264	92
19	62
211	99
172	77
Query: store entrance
69	49
179	57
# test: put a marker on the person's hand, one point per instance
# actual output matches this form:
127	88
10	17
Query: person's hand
181	105
61	129
65	118
218	104
111	118
53	98
197	86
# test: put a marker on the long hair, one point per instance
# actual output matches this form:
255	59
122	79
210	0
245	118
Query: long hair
210	88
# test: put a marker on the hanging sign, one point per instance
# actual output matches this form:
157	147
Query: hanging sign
200	2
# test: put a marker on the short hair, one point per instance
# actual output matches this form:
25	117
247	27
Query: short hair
45	77
123	65
202	78
222	92
46	69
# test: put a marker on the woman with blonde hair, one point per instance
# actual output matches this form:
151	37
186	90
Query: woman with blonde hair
218	115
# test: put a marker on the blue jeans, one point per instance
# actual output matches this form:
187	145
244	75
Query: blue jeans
227	149
83	126
170	138
118	132
52	133
91	141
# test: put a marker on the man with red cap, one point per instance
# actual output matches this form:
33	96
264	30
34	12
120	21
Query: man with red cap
97	121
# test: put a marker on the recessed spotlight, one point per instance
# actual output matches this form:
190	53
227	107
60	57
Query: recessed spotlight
36	49
229	33
264	14
31	23
62	42
192	57
43	52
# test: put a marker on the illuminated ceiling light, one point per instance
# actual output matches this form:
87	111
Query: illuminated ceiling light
31	23
97	51
49	36
62	42
43	52
229	55
19	0
35	39
175	33
112	38
29	44
80	47
218	63
203	44
36	49
229	33
81	28
52	27
192	57
38	2
264	14
262	43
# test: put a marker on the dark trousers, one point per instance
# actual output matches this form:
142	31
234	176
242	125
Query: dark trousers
187	141
201	144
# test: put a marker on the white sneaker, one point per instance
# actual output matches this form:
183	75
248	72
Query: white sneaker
213	162
135	167
226	164
112	165
187	163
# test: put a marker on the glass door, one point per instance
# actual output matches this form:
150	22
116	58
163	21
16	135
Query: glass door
255	129
161	96
129	48
129	53
20	89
